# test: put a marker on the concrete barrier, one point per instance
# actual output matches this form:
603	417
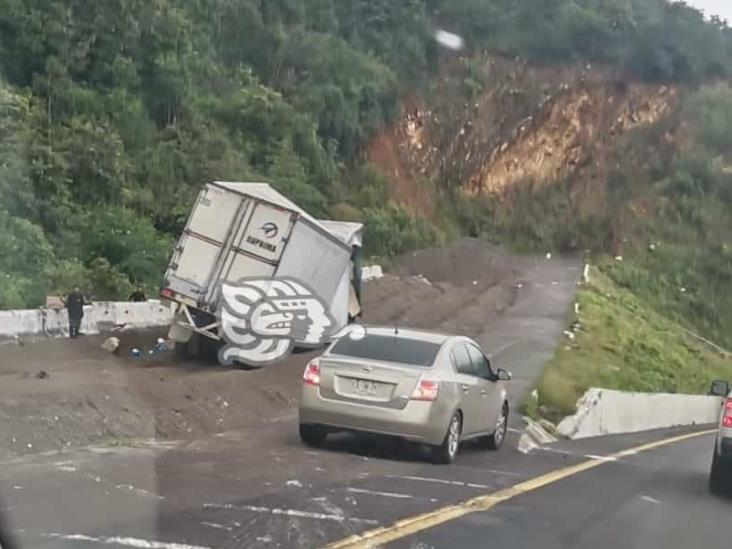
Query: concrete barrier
99	317
102	316
371	272
607	412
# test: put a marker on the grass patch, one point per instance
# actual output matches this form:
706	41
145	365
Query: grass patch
623	344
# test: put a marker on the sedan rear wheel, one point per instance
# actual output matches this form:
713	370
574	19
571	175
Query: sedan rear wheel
495	440
719	476
445	453
313	435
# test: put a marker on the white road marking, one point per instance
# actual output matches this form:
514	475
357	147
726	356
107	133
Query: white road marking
287	512
649	498
376	493
296	483
599	458
128	542
439	481
503	348
456	482
65	466
567	453
138	491
329	506
217	526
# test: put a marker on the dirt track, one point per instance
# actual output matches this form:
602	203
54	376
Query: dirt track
90	396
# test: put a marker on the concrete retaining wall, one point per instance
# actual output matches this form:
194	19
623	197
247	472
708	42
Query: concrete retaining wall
99	317
606	412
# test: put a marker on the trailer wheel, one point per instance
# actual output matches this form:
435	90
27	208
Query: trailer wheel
181	349
199	347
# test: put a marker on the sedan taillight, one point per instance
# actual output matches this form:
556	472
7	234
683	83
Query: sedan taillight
727	419
427	388
312	373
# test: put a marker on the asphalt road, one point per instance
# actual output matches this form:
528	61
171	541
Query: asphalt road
265	490
654	500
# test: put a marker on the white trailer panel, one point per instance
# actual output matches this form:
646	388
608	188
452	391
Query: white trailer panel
214	213
266	232
196	260
318	259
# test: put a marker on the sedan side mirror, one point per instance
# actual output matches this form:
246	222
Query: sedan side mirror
719	388
503	375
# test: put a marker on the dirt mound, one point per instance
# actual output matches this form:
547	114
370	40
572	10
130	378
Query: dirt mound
467	262
86	395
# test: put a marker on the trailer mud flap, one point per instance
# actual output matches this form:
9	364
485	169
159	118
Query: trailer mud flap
354	307
177	332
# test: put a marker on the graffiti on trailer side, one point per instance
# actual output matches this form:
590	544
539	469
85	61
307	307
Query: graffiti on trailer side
262	320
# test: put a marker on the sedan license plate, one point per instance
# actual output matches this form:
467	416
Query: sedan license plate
365	387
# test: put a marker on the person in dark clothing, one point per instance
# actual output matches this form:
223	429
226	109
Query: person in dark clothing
75	306
138	295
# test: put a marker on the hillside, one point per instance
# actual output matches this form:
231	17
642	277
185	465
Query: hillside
619	342
600	127
582	160
112	114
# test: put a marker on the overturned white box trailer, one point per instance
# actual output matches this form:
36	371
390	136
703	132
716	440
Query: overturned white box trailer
245	230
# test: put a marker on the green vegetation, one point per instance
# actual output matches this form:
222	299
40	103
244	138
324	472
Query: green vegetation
666	208
668	214
114	113
623	344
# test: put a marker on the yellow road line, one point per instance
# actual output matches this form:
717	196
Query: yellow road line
411	525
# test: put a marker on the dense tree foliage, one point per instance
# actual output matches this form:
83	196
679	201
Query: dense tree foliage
113	113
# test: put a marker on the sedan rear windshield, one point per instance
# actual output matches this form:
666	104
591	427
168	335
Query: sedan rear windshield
413	352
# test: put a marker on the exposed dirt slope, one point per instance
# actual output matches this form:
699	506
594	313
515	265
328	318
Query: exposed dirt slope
527	124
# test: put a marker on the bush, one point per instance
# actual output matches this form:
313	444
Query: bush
129	245
345	212
710	112
623	344
367	187
394	229
25	255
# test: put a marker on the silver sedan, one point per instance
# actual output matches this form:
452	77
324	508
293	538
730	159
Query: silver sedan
424	387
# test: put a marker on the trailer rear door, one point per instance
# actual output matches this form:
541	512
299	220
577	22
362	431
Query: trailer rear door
199	249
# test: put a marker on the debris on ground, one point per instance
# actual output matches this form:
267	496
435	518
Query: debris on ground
111	344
